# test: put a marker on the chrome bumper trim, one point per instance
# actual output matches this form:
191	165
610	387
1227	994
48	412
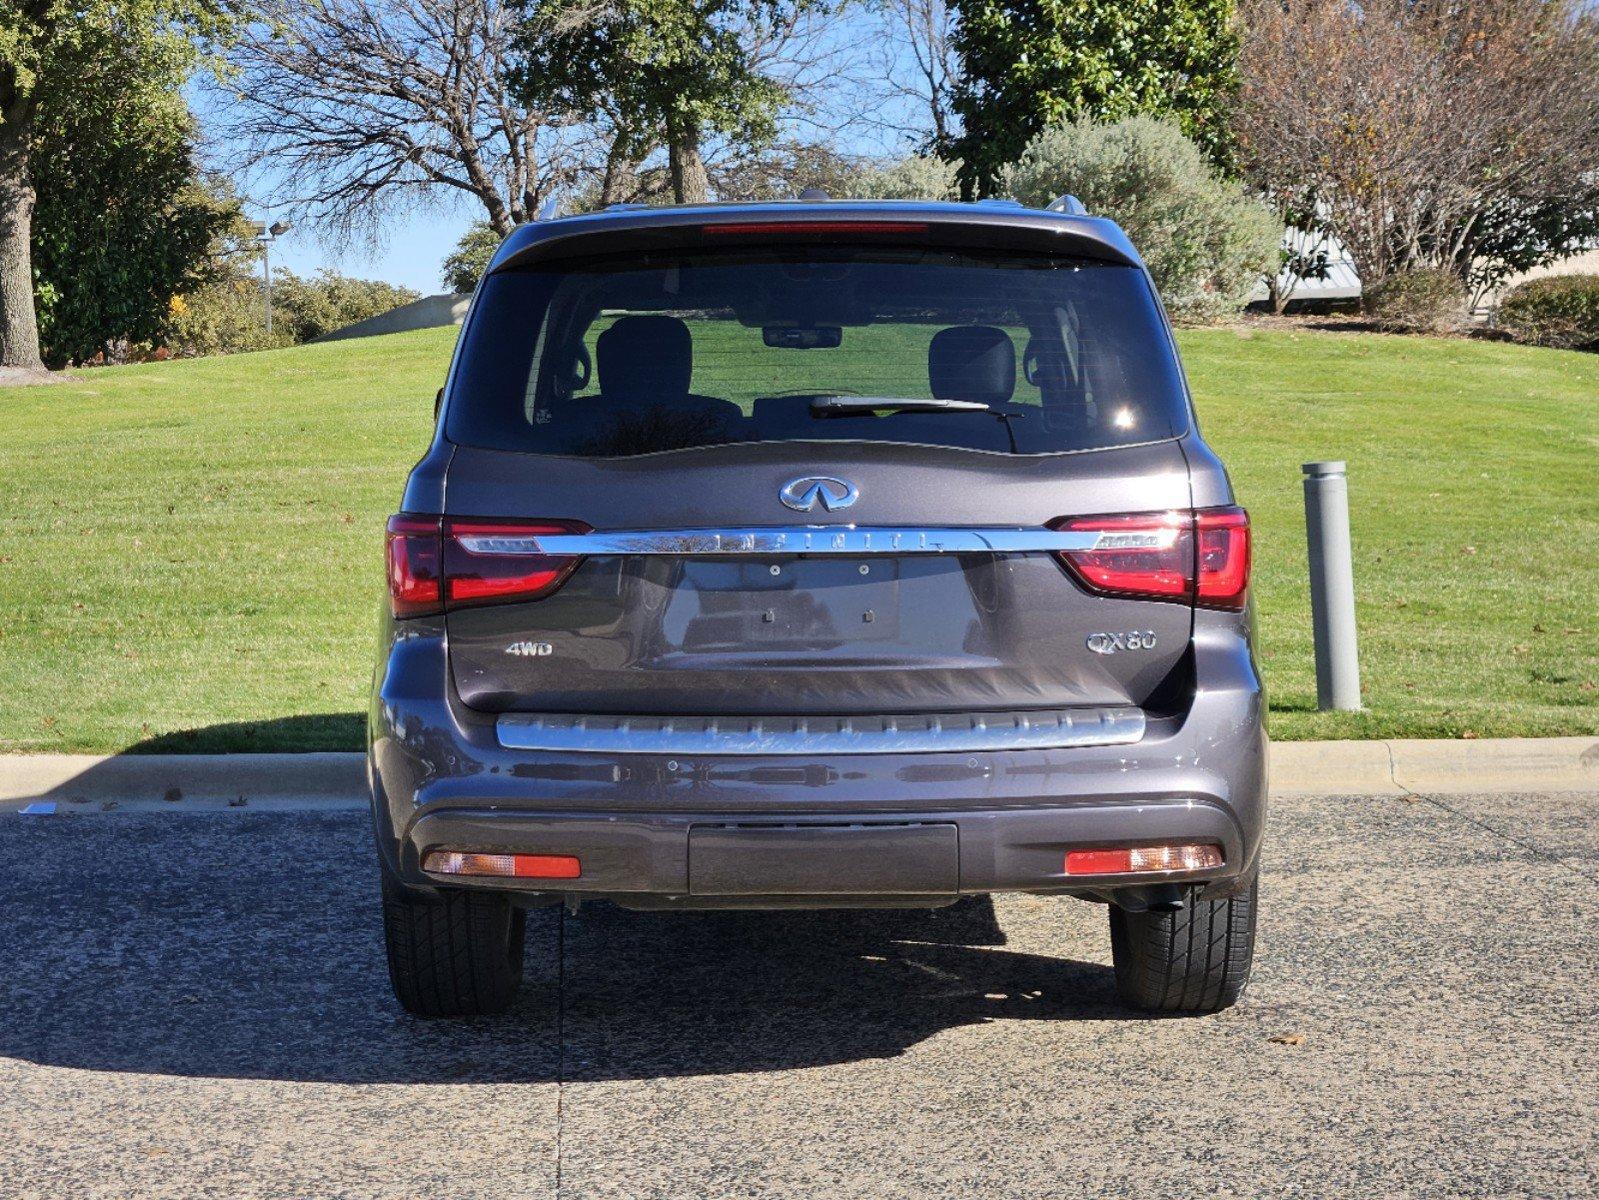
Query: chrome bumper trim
852	540
931	733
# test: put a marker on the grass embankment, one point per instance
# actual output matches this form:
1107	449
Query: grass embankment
189	552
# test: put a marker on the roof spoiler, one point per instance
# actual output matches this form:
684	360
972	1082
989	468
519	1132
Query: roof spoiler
1007	227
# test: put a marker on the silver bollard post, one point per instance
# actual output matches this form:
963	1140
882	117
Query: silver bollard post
1332	586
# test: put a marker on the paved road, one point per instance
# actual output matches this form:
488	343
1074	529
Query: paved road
195	1005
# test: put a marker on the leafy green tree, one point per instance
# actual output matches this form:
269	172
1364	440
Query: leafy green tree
122	222
661	72
1027	65
59	58
465	265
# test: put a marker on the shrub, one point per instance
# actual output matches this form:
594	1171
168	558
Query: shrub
308	308
226	316
1205	240
1560	311
1426	300
915	178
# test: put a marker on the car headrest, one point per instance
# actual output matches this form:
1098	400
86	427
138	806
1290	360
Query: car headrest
645	355
972	362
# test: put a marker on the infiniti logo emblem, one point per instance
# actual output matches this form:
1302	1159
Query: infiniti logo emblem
802	495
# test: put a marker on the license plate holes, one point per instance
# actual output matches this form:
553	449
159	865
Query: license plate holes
788	602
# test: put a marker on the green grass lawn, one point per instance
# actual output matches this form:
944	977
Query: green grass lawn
190	552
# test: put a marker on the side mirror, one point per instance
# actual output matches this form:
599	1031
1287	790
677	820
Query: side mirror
438	403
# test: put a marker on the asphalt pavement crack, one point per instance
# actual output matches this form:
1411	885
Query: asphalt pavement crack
1436	802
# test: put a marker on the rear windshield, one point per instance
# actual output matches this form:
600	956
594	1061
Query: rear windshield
666	351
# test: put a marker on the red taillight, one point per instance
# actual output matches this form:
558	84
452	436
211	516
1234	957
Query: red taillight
1138	554
486	561
1191	557
412	550
821	228
453	563
1223	558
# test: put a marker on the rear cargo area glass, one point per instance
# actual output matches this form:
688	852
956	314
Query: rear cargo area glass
609	357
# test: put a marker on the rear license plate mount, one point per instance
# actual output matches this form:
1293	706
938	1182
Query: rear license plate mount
921	859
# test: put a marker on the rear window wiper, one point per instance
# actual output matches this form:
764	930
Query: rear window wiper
826	406
844	406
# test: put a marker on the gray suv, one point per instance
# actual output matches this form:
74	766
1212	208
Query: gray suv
809	555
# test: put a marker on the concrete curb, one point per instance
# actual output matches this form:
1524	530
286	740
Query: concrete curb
1413	766
267	782
145	782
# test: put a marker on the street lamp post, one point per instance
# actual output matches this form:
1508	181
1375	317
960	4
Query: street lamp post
266	235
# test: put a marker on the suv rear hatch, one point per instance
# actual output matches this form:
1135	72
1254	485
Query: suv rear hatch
803	478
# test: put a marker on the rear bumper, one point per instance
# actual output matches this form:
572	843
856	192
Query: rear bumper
719	860
657	829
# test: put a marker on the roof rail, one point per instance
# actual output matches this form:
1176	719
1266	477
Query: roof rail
1068	204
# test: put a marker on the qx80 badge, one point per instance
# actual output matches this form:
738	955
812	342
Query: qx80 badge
1110	643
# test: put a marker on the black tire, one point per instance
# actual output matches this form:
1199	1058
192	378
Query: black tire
457	954
1195	960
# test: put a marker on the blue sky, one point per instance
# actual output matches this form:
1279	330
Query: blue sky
413	246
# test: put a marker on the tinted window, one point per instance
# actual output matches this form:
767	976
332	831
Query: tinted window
673	350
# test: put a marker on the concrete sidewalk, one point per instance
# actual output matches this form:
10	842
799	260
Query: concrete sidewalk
298	782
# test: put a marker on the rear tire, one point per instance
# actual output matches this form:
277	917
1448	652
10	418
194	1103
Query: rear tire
456	954
1196	960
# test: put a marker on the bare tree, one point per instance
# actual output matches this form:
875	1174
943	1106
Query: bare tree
922	83
362	107
818	61
1426	132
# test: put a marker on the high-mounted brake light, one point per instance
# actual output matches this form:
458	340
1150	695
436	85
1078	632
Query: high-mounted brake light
437	563
1191	557
821	228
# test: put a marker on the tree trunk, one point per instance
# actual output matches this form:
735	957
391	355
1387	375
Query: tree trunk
620	175
690	185
19	326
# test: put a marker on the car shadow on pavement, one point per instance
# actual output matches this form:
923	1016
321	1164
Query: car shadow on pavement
249	946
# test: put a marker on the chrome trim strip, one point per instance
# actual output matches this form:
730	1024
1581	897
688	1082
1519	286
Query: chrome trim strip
917	734
852	540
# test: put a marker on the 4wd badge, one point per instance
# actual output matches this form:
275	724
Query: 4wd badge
530	649
1133	639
